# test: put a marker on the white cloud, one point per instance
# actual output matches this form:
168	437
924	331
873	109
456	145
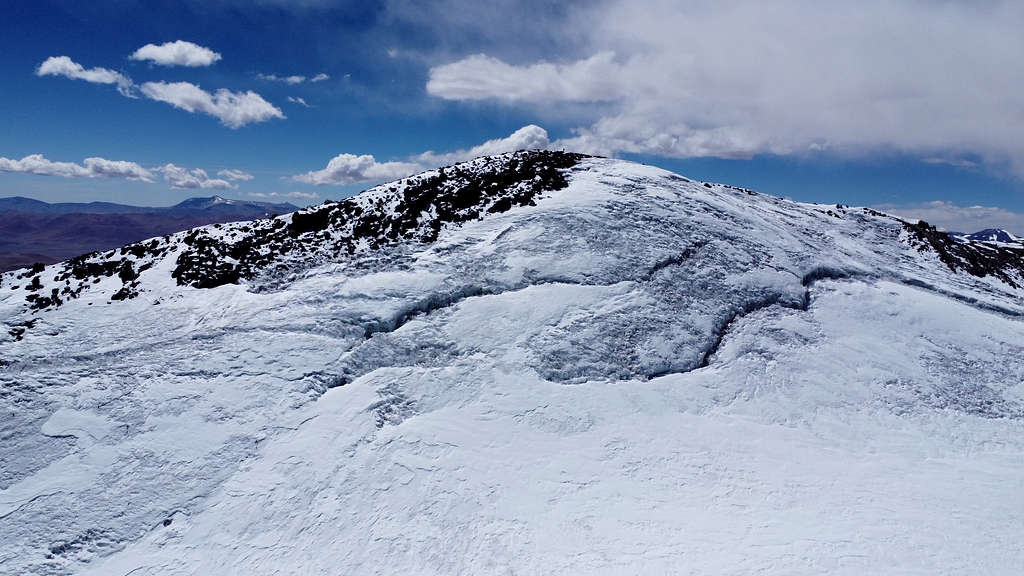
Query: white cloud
349	169
230	174
743	77
64	66
296	194
100	167
179	177
482	77
286	79
299	101
176	176
177	53
959	218
90	168
294	79
526	138
233	109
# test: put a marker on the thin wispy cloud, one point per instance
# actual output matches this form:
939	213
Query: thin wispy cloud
954	162
177	53
285	195
298	100
293	79
233	109
285	79
239	175
89	168
68	68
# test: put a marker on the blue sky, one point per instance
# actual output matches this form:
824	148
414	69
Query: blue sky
913	106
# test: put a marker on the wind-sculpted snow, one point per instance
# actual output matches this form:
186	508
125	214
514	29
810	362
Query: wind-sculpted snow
530	363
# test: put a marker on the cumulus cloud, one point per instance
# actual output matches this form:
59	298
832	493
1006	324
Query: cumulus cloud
230	174
526	138
177	53
195	178
959	218
741	77
175	176
349	169
233	109
319	77
90	168
68	68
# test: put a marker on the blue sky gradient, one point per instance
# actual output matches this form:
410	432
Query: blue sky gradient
380	57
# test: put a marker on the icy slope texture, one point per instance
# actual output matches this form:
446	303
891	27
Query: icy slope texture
534	363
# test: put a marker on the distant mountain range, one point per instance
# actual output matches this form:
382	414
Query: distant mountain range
35	231
204	205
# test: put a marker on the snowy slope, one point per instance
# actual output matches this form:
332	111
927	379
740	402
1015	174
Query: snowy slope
535	363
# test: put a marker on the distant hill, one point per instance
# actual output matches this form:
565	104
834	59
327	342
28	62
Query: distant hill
35	231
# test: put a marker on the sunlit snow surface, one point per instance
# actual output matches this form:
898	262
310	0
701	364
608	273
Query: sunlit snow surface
638	375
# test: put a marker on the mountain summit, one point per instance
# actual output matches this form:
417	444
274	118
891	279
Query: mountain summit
536	362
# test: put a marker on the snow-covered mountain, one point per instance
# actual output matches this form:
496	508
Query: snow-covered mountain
992	235
534	363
